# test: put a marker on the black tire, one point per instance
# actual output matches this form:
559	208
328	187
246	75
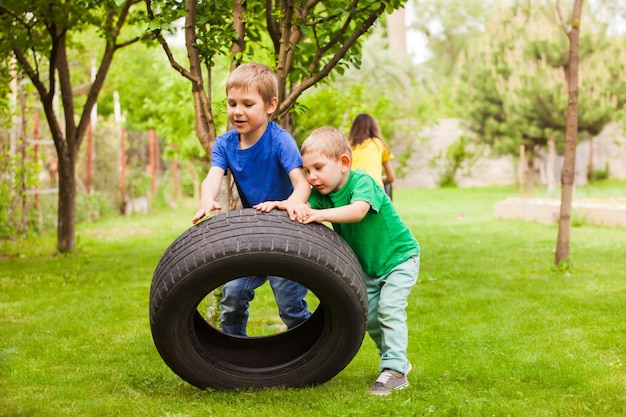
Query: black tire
249	242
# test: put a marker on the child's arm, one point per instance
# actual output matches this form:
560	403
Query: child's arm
390	175
352	213
300	194
208	193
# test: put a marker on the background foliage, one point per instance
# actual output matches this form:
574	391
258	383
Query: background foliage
497	65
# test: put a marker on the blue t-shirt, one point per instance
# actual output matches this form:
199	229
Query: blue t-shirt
261	172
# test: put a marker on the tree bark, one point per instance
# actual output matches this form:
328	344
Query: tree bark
239	25
229	195
571	132
66	218
205	128
66	229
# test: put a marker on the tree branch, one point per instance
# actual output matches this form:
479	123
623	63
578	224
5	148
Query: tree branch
158	34
31	72
62	67
562	18
321	50
272	25
290	99
105	64
239	26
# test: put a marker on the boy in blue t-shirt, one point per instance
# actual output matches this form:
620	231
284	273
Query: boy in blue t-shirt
267	167
365	217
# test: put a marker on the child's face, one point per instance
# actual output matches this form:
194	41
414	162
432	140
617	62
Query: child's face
325	174
248	113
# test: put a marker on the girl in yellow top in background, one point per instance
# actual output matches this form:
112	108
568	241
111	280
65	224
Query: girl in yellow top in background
370	152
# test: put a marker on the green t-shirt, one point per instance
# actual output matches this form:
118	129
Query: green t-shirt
381	240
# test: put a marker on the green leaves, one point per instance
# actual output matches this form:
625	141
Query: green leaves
514	85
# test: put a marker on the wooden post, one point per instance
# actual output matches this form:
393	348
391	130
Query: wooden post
123	163
589	138
13	133
36	152
117	111
152	147
157	159
521	171
89	157
175	172
550	167
21	118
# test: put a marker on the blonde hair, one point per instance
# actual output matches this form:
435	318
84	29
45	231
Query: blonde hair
255	76
327	141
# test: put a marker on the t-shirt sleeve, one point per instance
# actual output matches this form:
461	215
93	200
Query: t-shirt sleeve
218	154
367	189
387	155
288	152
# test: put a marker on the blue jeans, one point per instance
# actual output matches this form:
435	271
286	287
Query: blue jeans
386	323
238	293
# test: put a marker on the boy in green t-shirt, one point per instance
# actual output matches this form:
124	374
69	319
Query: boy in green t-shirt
365	217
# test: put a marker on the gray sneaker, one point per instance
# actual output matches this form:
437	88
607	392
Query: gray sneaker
390	380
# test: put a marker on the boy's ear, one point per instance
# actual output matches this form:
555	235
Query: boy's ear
345	160
272	105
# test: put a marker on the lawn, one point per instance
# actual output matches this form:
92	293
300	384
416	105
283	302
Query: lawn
495	328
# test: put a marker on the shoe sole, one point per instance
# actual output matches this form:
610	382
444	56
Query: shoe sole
385	393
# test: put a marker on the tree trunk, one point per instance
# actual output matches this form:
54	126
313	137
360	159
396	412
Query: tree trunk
229	195
571	132
67	149
66	218
239	25
205	129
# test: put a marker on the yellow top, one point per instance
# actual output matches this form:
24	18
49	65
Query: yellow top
370	156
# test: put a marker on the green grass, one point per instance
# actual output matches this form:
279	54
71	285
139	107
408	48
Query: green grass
495	328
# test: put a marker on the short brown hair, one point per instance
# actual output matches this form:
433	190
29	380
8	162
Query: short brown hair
328	141
256	76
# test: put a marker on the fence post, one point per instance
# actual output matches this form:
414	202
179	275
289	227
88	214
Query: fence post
152	149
